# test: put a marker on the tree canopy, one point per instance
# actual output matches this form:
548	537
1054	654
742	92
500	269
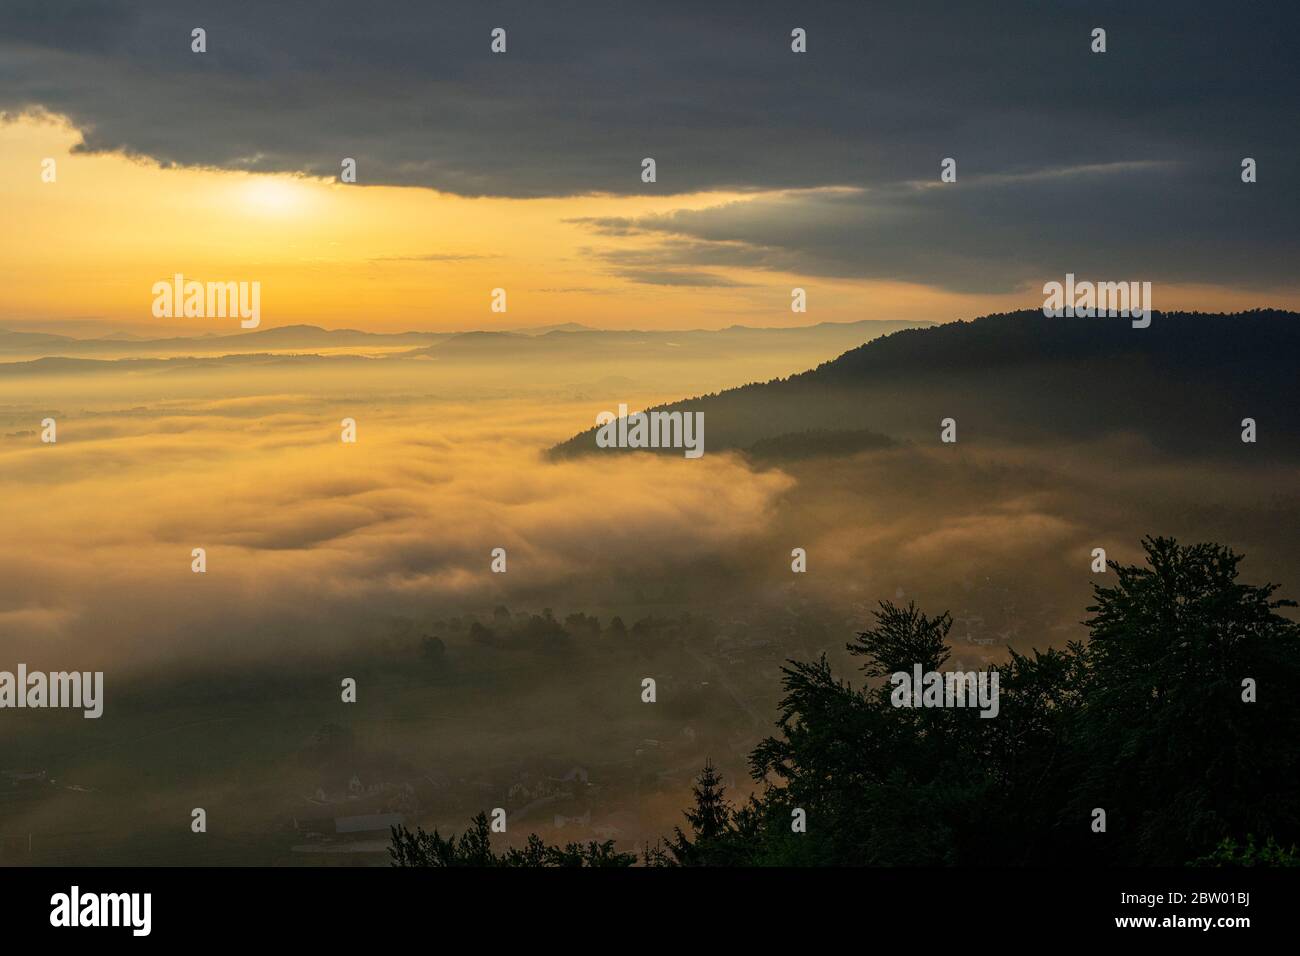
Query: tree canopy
1174	717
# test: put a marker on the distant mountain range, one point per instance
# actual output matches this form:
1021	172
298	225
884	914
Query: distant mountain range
568	340
286	337
1185	384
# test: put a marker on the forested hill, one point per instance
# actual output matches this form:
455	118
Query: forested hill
1185	384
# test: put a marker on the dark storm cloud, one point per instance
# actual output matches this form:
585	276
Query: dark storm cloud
712	91
1152	221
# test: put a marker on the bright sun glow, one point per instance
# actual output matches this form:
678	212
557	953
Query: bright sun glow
275	195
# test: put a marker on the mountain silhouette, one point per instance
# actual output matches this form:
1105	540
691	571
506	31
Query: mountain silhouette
1184	384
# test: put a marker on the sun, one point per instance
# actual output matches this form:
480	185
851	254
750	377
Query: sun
275	196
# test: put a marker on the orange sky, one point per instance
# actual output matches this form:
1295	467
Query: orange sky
82	253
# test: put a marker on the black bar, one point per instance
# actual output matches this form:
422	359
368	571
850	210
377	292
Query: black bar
928	908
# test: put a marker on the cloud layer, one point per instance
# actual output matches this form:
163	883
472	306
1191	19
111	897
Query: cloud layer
1067	159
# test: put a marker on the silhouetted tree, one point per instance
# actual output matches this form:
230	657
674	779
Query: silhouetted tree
474	848
1146	720
710	821
1167	739
582	626
1232	853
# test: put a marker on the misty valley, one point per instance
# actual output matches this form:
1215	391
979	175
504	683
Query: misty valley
481	684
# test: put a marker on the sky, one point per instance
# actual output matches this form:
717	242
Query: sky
522	170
